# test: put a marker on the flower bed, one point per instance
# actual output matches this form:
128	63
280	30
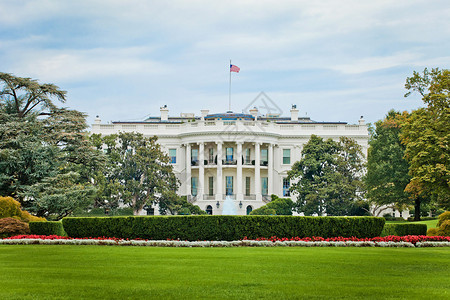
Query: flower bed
388	241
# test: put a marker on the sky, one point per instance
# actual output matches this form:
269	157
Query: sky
123	60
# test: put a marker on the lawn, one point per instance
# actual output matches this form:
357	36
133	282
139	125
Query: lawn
430	223
102	272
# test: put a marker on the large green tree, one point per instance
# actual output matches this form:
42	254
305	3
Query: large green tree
387	169
426	135
138	164
43	146
327	180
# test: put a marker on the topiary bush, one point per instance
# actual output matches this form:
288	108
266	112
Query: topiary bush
10	227
404	229
47	228
225	228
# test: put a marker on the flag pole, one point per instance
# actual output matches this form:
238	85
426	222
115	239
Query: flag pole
229	91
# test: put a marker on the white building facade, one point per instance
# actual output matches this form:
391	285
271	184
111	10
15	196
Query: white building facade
237	156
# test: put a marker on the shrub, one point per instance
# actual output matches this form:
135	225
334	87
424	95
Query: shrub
278	206
11	227
443	217
444	229
9	207
47	228
404	229
226	228
432	232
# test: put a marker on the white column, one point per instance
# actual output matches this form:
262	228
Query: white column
270	170
258	172
219	172
201	170
188	169
239	193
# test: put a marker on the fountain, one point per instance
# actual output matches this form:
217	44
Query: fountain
229	208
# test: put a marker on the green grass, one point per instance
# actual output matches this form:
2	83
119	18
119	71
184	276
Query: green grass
430	223
102	272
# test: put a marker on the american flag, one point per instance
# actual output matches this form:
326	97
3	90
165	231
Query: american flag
234	68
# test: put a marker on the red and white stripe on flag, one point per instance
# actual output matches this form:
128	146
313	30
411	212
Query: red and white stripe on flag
234	68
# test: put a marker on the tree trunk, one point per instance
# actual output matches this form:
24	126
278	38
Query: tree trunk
417	209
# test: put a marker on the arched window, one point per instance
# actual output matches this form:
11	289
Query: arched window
209	210
249	209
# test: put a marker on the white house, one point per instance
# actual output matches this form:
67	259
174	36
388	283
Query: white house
236	156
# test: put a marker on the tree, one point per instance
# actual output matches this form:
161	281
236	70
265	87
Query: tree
387	169
327	180
43	147
426	135
23	96
140	166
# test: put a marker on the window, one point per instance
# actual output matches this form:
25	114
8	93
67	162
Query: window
247	186
209	210
229	154
210	155
286	156
249	209
247	156
229	185
173	156
150	211
286	186
194	185
211	186
264	186
264	157
194	155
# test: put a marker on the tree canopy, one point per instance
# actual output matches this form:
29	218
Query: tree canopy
387	169
426	135
44	148
327	180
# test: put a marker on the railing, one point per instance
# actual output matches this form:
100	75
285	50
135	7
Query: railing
250	197
209	197
229	162
266	198
232	196
210	162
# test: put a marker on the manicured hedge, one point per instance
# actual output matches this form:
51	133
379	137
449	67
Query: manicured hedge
47	228
404	229
214	228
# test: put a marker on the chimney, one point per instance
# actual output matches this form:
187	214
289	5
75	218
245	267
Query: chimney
205	112
97	120
294	113
362	121
164	113
254	112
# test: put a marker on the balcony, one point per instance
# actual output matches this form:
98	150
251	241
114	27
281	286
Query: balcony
232	196
266	198
229	162
250	197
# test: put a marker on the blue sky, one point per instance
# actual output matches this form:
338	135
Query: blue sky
122	60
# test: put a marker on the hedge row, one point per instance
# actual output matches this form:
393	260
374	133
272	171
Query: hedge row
47	228
226	228
404	229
